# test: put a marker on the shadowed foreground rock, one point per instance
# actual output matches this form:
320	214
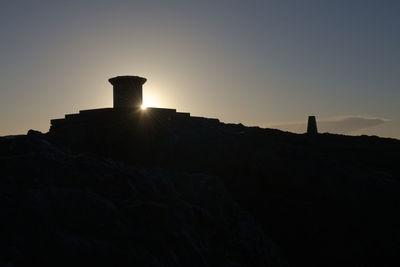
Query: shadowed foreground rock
60	208
199	194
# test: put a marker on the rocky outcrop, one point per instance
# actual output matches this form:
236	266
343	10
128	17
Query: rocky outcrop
200	193
63	208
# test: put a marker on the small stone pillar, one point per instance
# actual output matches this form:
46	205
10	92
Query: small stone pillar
312	125
128	91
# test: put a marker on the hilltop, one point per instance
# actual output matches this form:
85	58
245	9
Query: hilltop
156	187
211	194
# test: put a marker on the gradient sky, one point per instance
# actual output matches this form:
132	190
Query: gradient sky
265	63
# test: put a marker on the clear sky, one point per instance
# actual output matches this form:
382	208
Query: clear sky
265	63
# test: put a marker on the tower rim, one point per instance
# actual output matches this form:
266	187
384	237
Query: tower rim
127	79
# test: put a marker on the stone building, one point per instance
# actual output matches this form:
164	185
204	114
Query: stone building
125	125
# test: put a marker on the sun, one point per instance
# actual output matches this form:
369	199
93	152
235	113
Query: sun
148	101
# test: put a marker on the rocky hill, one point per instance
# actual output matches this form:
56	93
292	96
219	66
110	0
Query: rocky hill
199	195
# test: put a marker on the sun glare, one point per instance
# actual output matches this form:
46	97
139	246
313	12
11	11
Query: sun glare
149	101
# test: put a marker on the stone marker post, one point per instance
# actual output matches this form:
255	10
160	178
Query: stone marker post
312	125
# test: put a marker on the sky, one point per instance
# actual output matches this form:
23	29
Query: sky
259	63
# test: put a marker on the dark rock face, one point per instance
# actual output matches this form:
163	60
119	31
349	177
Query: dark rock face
60	208
197	192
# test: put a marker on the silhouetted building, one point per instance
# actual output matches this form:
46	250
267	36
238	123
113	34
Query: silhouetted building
127	91
125	121
312	125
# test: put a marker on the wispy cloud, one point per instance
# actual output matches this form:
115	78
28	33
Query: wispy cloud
338	124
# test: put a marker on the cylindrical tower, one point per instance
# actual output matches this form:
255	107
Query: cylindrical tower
128	91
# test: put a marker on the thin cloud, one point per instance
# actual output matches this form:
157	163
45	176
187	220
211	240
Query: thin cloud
342	124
